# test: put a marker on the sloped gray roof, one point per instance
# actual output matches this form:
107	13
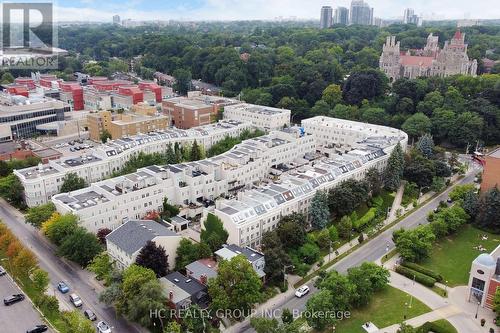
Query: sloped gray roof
134	234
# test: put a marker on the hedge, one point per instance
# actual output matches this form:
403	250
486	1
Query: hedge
435	327
365	219
377	201
423	270
419	277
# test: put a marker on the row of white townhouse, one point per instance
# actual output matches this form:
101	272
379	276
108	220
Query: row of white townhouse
43	181
111	202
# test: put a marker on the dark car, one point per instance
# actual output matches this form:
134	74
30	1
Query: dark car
38	329
2	271
89	315
13	299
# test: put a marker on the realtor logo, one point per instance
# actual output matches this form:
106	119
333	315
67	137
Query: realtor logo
28	38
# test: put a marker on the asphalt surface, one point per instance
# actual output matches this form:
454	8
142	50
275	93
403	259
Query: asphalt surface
20	316
371	251
79	280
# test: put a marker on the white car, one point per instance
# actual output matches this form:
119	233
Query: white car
76	300
301	291
103	327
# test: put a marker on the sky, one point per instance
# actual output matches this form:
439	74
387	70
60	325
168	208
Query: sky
103	10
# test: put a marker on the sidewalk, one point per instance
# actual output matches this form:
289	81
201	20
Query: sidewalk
456	309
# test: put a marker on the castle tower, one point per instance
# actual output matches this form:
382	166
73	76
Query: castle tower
389	61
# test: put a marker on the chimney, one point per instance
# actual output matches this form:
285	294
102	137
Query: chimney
203	279
171	295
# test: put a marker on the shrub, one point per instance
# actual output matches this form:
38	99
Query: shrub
423	270
377	201
419	277
365	219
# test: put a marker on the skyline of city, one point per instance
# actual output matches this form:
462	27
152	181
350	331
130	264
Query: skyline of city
220	10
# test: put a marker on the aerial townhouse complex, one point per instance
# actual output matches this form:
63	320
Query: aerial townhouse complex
109	203
43	181
358	147
253	184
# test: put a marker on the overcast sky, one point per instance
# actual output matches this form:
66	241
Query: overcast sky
103	10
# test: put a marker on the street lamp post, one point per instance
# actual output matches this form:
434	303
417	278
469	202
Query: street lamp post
446	287
477	309
330	250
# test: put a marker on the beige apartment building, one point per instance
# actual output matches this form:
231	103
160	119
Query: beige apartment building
121	125
187	113
144	109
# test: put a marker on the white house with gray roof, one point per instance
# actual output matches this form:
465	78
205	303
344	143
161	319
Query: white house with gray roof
229	251
125	242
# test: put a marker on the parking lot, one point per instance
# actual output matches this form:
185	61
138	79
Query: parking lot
18	317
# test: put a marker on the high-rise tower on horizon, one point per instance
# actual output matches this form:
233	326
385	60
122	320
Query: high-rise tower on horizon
326	18
361	13
341	16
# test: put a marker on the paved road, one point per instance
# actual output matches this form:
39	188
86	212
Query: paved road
20	316
371	251
80	281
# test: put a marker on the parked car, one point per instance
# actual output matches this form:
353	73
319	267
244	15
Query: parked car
301	291
2	271
71	149
449	200
38	329
89	315
76	300
13	299
103	327
63	287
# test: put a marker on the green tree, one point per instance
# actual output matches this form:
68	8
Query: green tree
395	167
367	279
62	227
213	232
80	247
467	127
105	135
488	216
12	190
291	233
196	321
236	286
345	227
76	322
414	245
196	152
173	327
341	289
319	212
39	214
72	182
185	254
374	179
286	316
320	302
459	191
153	257
471	203
182	80
40	280
417	125
168	210
426	145
102	267
332	95
275	254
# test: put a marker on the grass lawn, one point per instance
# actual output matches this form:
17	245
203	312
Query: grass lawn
452	256
445	325
386	308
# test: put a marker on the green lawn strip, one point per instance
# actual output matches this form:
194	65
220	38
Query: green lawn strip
440	291
445	325
54	318
389	256
386	308
452	256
